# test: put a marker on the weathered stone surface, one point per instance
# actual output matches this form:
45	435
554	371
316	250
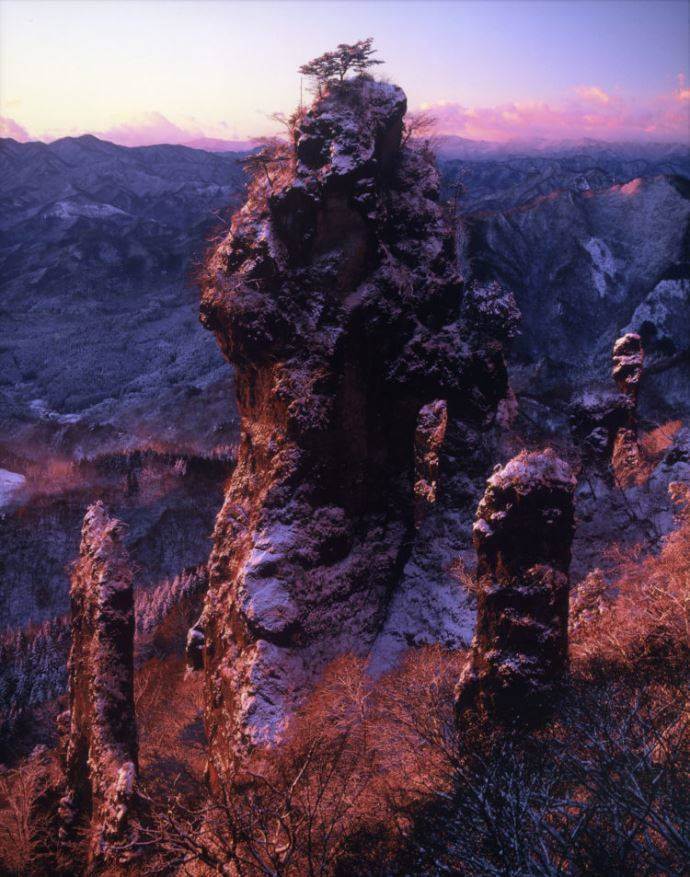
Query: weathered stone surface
341	324
523	534
99	732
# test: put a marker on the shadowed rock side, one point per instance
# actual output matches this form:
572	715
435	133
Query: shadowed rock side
523	534
454	455
100	729
337	299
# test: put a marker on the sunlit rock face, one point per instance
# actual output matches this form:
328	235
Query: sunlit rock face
523	534
337	299
100	736
428	441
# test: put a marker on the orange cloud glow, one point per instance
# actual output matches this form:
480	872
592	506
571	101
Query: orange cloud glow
588	112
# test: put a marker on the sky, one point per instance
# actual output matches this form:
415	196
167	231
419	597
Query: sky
152	71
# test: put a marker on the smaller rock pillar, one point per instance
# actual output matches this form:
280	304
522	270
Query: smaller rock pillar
522	534
628	362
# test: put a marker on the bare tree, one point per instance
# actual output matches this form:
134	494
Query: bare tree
268	160
25	838
418	126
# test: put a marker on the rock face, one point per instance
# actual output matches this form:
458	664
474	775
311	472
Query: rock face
100	729
337	299
523	534
587	266
596	416
432	603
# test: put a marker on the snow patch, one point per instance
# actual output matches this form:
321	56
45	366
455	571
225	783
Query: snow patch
11	483
604	265
71	210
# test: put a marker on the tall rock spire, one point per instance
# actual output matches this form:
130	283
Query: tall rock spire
337	299
101	734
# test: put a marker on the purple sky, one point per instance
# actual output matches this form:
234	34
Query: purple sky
143	71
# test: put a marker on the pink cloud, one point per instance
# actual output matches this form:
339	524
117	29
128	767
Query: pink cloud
683	92
152	127
10	128
588	112
592	93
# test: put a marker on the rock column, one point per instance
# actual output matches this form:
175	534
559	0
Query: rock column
522	534
628	362
100	728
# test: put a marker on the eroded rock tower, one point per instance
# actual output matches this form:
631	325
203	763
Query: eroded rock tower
337	299
100	745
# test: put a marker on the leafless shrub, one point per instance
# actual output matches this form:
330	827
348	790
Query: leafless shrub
418	125
647	627
376	778
25	825
290	811
601	792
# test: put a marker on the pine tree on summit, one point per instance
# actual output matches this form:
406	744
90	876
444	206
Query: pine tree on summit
337	64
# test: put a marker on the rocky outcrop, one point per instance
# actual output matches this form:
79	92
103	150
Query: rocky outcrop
523	534
100	748
628	359
662	321
337	299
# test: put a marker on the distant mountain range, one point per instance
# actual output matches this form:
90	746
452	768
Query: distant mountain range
100	344
98	314
451	146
